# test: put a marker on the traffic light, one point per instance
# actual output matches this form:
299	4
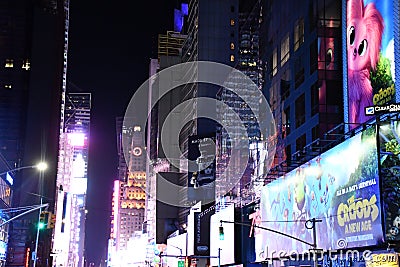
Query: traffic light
42	220
221	232
51	220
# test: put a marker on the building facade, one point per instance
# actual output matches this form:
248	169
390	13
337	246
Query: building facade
34	35
129	195
69	230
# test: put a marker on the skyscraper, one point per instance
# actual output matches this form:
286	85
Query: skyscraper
250	64
37	36
219	17
129	194
69	231
303	77
15	59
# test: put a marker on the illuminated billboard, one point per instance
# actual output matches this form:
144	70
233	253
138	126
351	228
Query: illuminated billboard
201	182
389	144
340	187
258	157
227	245
383	260
77	139
370	57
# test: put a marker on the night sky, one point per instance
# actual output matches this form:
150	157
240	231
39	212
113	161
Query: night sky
110	46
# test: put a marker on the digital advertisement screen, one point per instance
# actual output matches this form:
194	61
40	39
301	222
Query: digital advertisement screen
340	187
370	56
389	153
258	158
201	182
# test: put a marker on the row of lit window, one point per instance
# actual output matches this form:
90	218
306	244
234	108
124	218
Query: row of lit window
285	47
232	58
26	65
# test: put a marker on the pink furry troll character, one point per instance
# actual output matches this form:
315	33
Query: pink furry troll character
364	35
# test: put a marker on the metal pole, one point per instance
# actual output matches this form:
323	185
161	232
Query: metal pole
315	242
219	257
37	233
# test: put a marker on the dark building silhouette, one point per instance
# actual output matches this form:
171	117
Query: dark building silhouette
35	39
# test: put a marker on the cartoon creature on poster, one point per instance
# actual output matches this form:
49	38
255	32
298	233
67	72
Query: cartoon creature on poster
365	26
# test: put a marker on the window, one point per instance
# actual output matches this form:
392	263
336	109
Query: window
8	86
287	120
274	62
288	151
285	50
326	57
300	142
232	46
314	99
313	56
298	33
232	58
315	132
9	63
285	89
232	22
299	71
300	110
312	15
26	65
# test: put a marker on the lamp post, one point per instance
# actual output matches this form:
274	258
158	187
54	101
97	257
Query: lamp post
310	224
41	166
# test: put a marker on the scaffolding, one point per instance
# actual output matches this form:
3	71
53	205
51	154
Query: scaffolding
170	44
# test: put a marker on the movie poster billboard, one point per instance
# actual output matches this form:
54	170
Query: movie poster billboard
340	187
370	56
389	152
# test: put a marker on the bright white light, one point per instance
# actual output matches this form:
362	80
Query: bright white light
78	167
77	139
41	166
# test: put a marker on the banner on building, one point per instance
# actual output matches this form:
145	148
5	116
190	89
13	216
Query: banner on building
340	187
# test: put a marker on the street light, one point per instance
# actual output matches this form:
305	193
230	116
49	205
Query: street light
41	166
310	224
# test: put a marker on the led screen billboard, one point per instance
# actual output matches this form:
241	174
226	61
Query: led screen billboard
201	183
389	152
340	187
370	56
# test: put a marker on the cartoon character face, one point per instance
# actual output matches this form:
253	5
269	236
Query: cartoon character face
394	231
357	47
396	222
364	35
